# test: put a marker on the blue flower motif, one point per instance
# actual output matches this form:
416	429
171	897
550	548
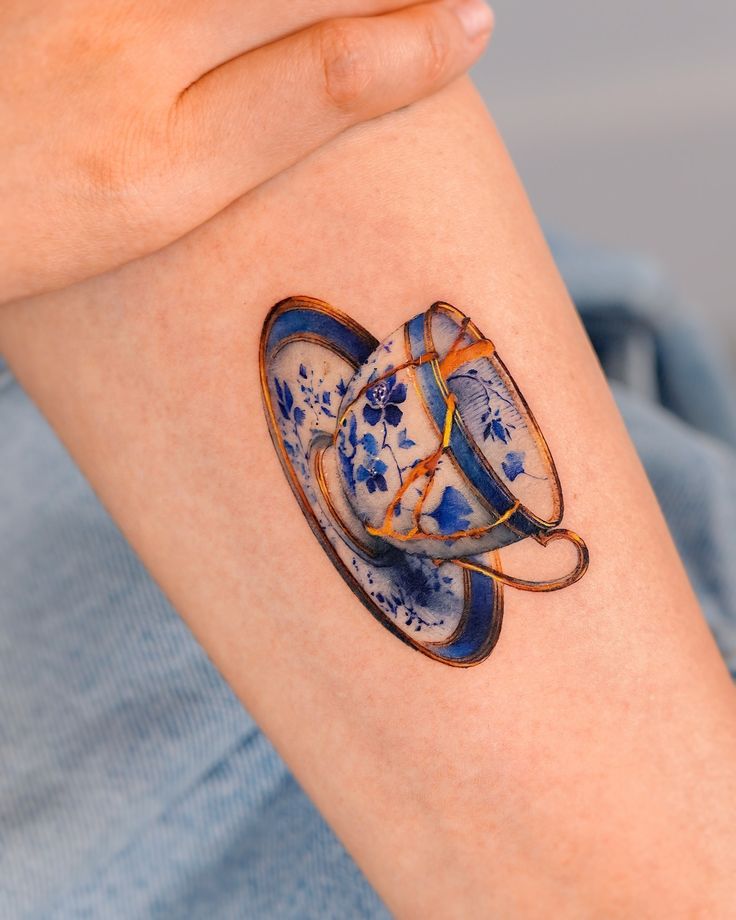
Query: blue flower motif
383	400
420	585
372	474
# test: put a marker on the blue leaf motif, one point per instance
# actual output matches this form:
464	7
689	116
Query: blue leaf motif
404	440
280	399
353	431
302	371
495	429
288	397
452	511
499	430
347	451
392	414
513	464
299	415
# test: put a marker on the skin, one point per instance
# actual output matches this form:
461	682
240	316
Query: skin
585	769
126	125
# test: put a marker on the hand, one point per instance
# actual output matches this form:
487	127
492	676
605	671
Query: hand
127	125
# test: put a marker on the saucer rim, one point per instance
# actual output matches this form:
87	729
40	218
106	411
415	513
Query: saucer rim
432	650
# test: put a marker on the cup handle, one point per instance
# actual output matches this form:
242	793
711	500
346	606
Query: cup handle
522	584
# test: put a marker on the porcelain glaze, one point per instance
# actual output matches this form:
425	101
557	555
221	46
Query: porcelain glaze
414	460
387	429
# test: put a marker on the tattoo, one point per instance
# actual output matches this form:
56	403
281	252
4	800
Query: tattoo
416	461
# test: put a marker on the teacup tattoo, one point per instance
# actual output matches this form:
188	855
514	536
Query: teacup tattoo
416	461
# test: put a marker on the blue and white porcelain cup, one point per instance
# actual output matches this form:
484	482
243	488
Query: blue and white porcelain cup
415	462
437	452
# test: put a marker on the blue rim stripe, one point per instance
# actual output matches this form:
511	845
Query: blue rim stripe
304	320
482	621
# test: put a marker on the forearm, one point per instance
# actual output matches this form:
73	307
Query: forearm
582	768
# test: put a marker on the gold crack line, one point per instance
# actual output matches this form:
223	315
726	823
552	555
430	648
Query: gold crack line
428	467
425	467
414	362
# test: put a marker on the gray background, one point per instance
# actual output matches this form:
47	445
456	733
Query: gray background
621	118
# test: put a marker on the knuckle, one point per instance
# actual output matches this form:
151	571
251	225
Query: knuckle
117	172
437	50
346	62
114	166
105	172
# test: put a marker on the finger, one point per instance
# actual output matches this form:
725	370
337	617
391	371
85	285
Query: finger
212	32
256	115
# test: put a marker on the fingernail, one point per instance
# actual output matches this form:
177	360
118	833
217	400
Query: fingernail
475	16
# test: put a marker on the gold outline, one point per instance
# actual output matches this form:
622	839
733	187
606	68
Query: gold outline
315	340
522	584
387	531
480	497
319	452
410	362
536	431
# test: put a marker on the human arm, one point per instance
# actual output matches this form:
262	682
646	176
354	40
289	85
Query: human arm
582	770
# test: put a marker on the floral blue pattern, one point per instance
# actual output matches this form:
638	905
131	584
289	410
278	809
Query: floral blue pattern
423	588
513	466
405	442
347	443
315	398
424	597
367	456
408	488
495	426
295	415
383	400
372	475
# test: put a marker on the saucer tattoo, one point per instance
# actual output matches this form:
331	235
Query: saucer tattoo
415	460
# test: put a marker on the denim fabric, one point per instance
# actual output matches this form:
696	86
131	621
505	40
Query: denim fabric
132	783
